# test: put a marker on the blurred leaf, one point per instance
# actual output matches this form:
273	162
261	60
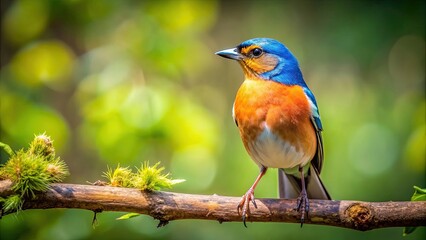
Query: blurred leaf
49	62
25	20
415	146
188	15
21	118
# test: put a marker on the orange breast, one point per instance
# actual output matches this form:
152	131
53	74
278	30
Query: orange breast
284	109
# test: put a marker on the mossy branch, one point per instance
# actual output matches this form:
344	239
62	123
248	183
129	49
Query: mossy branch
31	170
29	180
168	206
34	169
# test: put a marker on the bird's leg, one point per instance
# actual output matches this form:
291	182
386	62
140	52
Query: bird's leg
303	200
249	197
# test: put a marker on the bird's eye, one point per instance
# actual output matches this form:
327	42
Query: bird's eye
256	52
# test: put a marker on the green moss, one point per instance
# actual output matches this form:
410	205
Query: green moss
119	177
149	178
42	145
32	170
27	172
12	203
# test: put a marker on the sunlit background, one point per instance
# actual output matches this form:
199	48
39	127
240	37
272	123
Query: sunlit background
129	81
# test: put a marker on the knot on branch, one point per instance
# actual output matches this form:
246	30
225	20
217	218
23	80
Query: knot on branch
360	216
159	206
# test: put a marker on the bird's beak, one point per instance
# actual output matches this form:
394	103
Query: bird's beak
231	53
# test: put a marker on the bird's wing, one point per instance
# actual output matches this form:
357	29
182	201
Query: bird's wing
316	121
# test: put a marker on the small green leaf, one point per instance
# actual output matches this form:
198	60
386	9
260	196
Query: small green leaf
418	195
176	181
7	148
128	215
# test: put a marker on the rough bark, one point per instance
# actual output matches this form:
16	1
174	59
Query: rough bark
168	206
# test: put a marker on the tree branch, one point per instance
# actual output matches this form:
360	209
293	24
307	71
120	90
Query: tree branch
168	206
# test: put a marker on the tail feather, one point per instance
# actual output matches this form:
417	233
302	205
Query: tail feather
289	185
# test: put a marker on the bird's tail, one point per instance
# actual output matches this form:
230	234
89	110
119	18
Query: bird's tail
290	185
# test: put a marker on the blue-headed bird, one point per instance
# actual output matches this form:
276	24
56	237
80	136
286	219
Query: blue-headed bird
279	122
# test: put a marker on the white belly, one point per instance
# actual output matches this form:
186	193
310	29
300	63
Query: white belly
271	151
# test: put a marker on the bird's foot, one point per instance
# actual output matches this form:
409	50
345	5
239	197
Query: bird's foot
303	206
244	207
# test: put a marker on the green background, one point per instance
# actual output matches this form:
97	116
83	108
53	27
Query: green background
130	81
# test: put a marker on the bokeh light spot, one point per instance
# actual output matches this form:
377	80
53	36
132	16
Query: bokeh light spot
143	107
48	62
196	165
25	20
415	150
21	119
372	149
407	61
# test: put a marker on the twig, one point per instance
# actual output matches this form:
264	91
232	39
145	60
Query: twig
168	206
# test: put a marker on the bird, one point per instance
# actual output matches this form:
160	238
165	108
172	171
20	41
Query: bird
279	122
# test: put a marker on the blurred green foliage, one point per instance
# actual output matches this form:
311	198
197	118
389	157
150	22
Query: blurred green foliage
129	81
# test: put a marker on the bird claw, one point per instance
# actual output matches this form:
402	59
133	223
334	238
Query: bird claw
244	205
303	206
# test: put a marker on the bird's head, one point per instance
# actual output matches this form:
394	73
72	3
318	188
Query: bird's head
267	59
